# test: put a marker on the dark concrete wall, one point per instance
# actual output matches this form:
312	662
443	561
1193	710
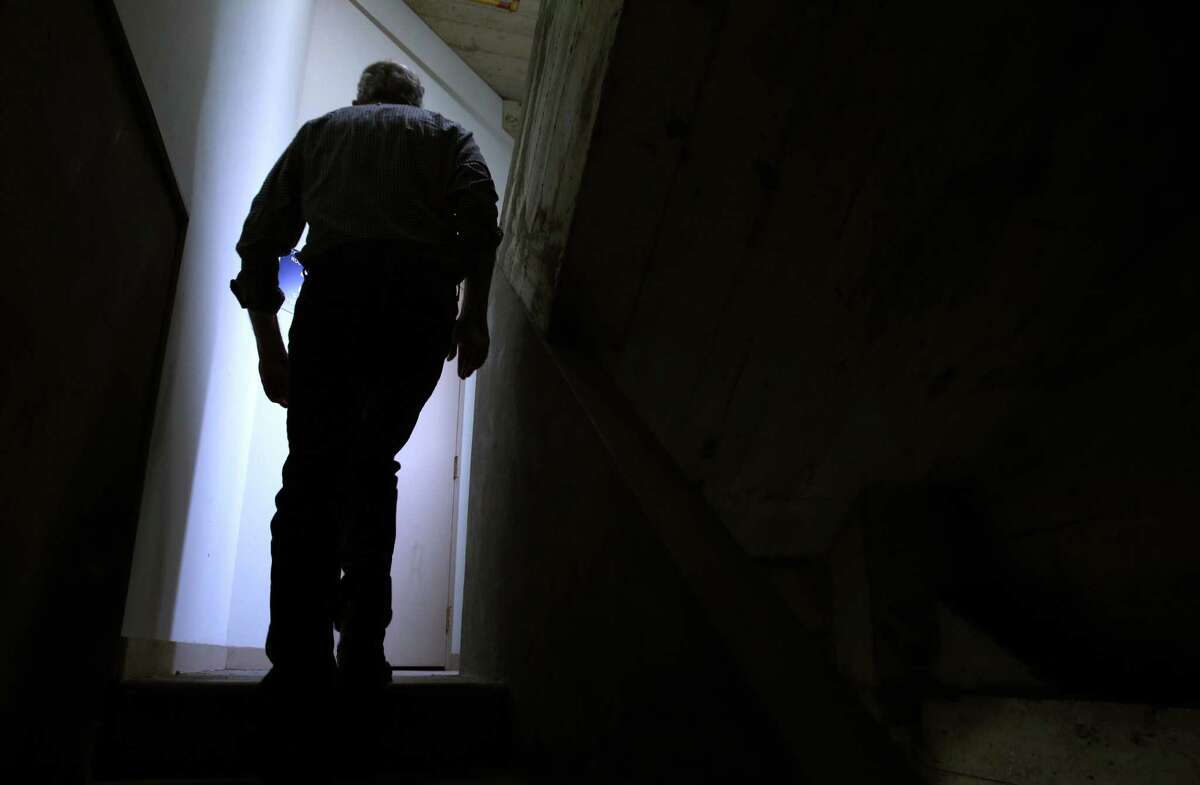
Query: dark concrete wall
92	227
840	251
917	279
573	604
571	601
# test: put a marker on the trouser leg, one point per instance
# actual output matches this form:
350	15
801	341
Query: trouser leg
390	412
310	508
366	352
298	692
365	560
304	571
304	568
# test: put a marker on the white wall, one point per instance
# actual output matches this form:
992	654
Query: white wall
345	38
223	77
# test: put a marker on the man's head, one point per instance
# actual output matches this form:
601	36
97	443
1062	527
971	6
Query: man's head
386	82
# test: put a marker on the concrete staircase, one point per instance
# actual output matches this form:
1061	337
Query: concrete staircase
202	727
980	739
982	715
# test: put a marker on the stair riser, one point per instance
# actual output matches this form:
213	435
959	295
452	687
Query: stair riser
199	731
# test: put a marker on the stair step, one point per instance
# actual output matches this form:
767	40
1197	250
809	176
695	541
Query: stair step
484	779
977	739
198	727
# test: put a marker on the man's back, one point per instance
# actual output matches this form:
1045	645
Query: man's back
376	171
387	171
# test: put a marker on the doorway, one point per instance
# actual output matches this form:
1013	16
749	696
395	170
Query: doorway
200	577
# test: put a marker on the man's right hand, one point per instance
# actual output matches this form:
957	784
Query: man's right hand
470	343
272	356
273	370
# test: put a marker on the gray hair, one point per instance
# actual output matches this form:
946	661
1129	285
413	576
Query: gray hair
389	83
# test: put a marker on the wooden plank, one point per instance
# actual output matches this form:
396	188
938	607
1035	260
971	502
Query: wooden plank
506	75
472	38
521	22
495	44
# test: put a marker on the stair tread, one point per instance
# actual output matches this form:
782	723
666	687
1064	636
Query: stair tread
250	679
972	738
486	779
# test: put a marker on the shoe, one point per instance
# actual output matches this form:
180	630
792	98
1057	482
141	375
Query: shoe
362	666
355	675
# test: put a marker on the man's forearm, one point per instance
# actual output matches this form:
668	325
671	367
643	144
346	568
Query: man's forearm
266	334
476	289
272	356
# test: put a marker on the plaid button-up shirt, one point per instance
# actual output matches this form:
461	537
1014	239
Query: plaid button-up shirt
374	172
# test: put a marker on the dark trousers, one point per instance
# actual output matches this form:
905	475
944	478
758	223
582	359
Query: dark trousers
368	342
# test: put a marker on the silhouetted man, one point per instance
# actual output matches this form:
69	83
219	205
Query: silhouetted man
401	208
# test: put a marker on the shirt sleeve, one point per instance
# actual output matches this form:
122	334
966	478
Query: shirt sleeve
472	198
271	230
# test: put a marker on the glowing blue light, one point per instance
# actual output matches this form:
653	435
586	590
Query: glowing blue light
291	278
